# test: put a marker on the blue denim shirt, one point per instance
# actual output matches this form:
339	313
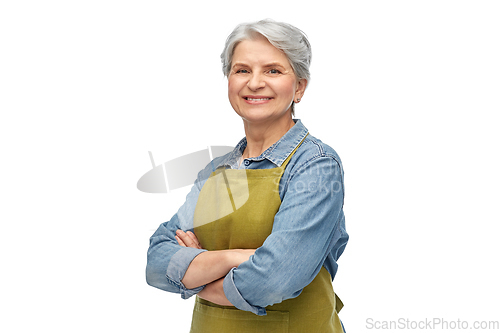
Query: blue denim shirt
308	230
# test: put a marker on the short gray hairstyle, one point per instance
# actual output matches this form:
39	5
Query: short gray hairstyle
285	37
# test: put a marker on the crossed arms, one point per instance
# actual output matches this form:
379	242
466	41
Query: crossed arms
209	268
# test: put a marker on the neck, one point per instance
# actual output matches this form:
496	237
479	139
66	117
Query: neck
262	136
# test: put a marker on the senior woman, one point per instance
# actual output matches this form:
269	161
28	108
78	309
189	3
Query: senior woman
260	233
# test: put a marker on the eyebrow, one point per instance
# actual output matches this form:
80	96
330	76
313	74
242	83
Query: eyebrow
272	64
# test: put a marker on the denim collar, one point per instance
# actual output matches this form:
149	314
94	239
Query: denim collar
277	153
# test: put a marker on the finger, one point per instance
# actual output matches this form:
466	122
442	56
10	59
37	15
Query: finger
194	238
185	238
180	236
181	243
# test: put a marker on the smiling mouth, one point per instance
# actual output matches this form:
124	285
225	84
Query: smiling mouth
257	99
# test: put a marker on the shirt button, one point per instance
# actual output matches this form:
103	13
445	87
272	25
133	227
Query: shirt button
247	162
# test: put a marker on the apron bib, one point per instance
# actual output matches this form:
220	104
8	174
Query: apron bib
235	210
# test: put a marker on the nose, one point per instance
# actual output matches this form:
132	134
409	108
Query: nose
256	82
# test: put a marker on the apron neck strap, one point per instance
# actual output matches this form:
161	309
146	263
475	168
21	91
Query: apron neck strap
285	162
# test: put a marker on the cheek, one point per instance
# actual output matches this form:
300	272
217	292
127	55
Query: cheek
286	88
230	86
232	93
233	88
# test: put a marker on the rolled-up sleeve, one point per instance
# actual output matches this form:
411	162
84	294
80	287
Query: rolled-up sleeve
308	228
167	261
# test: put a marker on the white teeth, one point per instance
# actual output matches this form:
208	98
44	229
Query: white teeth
257	99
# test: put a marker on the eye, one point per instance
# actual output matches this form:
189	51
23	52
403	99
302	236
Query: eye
242	71
274	71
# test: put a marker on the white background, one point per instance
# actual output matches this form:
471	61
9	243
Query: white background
406	92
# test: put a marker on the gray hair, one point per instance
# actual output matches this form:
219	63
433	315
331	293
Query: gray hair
285	37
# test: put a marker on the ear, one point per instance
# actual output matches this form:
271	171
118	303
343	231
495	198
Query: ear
301	88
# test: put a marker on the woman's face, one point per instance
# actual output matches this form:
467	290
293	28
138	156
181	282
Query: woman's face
262	84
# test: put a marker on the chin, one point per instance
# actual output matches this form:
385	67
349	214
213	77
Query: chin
261	118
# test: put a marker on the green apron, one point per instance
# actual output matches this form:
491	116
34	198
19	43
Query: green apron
235	210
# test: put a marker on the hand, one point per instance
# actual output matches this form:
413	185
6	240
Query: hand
187	239
214	292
